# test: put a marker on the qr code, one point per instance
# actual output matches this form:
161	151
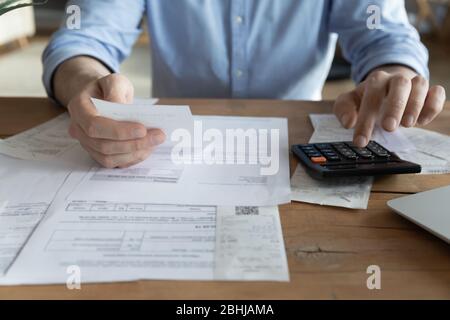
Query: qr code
245	211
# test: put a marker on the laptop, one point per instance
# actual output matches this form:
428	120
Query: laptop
430	210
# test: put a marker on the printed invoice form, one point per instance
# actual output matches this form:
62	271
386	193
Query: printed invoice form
26	190
126	241
160	180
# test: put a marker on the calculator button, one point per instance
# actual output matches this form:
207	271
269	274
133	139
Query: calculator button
330	155
382	154
319	159
322	146
314	154
365	154
362	152
351	156
344	149
339	145
378	150
347	153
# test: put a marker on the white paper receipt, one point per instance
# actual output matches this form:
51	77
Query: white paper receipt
166	118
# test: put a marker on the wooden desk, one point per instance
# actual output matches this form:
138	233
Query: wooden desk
328	249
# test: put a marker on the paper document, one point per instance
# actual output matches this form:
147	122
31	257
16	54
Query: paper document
432	150
166	118
145	101
45	141
126	241
249	244
49	141
159	180
26	190
352	192
17	222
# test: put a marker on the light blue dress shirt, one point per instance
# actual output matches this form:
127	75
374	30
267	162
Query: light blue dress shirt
279	49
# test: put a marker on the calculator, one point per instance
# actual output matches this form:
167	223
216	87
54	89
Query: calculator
344	159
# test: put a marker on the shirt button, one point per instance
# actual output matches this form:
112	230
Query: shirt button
239	73
239	19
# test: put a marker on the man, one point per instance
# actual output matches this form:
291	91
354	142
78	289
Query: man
279	49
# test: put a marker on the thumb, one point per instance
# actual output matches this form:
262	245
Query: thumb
117	88
347	105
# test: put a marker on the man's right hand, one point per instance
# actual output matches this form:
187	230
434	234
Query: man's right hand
111	143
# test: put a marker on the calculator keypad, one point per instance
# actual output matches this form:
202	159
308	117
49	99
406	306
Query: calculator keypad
344	153
344	159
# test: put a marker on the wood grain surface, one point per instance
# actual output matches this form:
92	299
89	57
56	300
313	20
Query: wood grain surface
328	249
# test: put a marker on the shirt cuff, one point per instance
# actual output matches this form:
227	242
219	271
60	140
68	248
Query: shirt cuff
378	59
56	57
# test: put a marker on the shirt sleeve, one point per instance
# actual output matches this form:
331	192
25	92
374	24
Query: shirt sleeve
395	41
108	30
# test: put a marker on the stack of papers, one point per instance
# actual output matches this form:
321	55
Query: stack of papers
125	241
212	216
155	220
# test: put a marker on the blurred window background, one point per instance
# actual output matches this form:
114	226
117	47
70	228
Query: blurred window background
26	32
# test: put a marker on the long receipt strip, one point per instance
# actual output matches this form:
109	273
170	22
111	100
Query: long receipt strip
352	192
126	241
249	244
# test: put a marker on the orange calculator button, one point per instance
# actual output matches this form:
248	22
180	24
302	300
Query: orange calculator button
319	159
